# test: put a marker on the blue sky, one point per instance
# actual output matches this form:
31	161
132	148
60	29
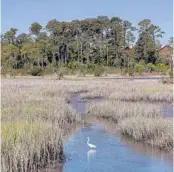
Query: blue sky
21	13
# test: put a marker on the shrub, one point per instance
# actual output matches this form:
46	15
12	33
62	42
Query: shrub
82	70
163	60
99	70
91	68
142	62
150	67
73	65
131	71
36	71
140	68
131	68
161	68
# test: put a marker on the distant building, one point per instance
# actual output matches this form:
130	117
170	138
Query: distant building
164	51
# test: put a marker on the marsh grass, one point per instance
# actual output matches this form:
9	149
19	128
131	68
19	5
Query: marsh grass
29	146
140	121
96	93
143	95
118	110
36	115
156	132
34	121
132	91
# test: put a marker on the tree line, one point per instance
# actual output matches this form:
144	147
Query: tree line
101	41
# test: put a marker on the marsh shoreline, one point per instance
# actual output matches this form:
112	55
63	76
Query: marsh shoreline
29	94
107	123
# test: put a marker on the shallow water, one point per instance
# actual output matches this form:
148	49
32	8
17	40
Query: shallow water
112	153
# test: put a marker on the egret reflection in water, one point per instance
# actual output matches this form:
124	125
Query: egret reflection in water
91	154
113	154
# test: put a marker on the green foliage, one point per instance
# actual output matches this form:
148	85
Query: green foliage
35	28
35	71
146	44
131	71
99	70
139	68
163	60
142	62
161	68
91	67
27	67
131	63
150	67
75	43
73	65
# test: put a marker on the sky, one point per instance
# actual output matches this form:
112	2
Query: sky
21	13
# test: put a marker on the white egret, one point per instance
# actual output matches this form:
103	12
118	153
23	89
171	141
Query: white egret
90	145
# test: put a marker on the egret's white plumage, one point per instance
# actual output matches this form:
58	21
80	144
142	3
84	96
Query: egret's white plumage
90	145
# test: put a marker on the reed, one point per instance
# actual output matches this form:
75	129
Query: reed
34	121
156	132
143	95
141	121
36	115
118	110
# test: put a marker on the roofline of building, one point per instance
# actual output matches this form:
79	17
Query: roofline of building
164	46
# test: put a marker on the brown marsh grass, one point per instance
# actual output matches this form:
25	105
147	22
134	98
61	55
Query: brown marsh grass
135	107
149	91
158	132
140	121
118	110
147	95
35	114
34	120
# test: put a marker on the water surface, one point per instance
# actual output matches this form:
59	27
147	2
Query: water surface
112	153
